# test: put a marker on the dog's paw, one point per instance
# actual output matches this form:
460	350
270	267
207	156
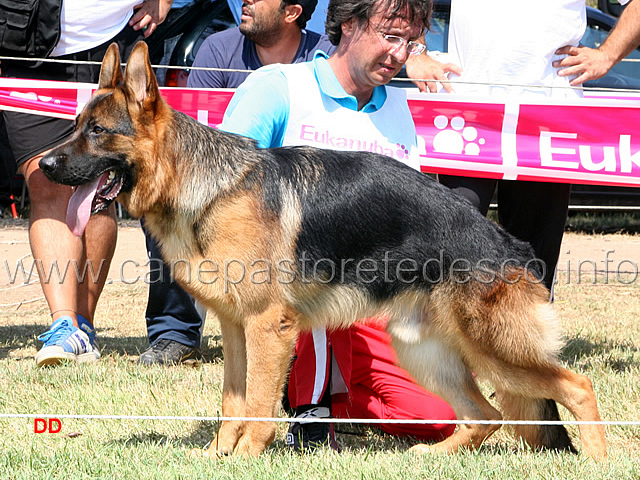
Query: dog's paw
247	447
216	449
212	453
422	449
197	453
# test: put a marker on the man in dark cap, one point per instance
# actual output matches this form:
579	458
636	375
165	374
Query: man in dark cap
271	31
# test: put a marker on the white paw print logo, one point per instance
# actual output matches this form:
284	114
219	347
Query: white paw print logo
458	139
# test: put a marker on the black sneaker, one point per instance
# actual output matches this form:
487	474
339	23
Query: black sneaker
167	352
310	436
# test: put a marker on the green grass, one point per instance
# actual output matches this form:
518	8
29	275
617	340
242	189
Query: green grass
603	341
603	222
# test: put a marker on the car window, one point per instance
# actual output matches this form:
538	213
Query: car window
594	36
625	74
438	36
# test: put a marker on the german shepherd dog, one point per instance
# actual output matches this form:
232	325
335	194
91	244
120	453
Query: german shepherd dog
294	238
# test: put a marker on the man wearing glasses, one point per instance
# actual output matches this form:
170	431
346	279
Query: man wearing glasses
342	102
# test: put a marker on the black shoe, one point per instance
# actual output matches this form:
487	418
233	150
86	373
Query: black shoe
167	352
310	436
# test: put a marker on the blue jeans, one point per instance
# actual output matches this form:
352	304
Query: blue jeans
171	313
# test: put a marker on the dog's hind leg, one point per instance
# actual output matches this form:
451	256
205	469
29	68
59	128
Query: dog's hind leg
575	392
441	370
270	339
233	390
509	335
551	436
572	390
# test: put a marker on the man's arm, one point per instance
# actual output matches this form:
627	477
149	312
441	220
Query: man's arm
423	67
149	14
591	64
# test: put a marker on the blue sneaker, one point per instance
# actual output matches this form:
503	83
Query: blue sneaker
64	341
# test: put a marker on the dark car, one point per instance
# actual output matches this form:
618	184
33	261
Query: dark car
177	39
185	29
611	7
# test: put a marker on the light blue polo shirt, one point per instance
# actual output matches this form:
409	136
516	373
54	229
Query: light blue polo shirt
260	107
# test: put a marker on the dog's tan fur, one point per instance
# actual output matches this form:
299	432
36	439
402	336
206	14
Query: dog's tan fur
504	331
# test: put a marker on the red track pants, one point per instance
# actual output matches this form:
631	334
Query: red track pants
365	381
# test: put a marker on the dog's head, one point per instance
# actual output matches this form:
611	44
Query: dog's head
112	133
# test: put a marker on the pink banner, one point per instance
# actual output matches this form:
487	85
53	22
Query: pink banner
590	140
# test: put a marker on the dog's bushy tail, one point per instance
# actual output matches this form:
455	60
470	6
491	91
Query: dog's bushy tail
551	437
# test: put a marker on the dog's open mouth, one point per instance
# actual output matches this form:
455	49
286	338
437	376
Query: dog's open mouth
91	198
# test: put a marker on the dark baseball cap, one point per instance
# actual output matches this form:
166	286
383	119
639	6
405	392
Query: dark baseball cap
308	7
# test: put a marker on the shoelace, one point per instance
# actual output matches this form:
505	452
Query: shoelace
163	345
56	332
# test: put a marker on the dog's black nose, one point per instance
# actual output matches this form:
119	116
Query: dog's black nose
49	163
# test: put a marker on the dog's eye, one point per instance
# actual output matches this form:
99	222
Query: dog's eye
97	129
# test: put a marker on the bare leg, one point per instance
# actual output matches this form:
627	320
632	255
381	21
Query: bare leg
52	243
99	243
55	247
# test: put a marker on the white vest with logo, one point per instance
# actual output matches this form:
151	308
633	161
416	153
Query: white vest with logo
318	120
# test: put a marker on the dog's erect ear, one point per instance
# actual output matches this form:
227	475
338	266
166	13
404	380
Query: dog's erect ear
110	72
139	76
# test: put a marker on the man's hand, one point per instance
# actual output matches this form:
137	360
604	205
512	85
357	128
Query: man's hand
149	14
426	68
583	62
590	64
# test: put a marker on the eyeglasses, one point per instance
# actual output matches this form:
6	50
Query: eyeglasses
413	48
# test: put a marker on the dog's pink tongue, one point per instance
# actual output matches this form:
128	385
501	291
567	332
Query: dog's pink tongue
79	209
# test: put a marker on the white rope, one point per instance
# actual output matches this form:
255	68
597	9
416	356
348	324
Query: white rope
453	82
24	273
89	62
23	302
20	285
375	421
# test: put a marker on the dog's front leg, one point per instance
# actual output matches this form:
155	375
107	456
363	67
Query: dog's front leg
270	338
233	390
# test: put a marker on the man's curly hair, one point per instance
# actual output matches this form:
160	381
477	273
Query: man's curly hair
341	11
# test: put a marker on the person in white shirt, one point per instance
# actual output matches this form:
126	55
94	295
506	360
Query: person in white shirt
523	49
86	30
546	35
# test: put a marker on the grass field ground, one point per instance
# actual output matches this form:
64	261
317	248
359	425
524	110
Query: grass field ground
599	316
